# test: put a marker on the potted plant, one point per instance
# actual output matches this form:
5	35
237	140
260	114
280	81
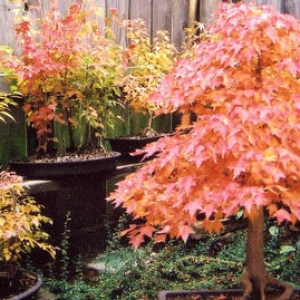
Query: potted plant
69	73
241	154
21	231
148	62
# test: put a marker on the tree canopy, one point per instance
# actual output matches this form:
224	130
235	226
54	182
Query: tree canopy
242	152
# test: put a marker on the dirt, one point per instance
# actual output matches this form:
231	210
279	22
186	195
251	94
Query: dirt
70	157
10	287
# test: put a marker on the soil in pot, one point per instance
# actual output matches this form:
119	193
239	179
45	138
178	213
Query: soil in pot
23	285
77	163
70	156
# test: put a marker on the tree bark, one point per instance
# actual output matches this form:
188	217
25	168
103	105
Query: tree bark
257	277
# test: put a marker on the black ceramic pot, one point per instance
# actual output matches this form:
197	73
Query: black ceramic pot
28	293
44	170
229	294
127	145
204	294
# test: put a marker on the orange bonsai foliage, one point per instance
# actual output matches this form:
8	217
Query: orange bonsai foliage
242	153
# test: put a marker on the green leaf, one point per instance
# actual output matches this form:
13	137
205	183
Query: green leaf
240	214
273	230
285	249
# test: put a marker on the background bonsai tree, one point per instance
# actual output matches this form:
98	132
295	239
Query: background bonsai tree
69	72
21	225
149	60
242	152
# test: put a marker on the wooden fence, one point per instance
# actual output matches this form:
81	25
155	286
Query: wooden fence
171	15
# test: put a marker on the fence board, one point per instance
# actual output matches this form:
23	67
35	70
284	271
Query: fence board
141	9
292	7
206	9
179	21
123	8
162	15
6	22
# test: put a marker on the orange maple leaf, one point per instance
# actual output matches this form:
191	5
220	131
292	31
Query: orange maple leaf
212	226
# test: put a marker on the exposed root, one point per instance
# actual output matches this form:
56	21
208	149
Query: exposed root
148	131
257	280
255	288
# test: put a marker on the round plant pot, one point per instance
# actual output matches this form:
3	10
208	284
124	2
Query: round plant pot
18	292
126	145
230	294
199	294
45	170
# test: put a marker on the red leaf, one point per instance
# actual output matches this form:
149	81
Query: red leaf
272	34
192	207
185	231
160	238
282	215
212	226
137	240
147	230
130	229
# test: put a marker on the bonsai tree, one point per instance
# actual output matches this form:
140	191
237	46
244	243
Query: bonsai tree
242	152
21	225
69	72
149	60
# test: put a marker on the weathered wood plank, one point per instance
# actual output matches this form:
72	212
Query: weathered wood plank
141	9
193	11
162	15
179	21
206	9
122	6
292	7
7	10
45	4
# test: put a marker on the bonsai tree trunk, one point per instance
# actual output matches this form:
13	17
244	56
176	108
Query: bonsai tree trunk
42	144
257	277
88	135
70	129
149	131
